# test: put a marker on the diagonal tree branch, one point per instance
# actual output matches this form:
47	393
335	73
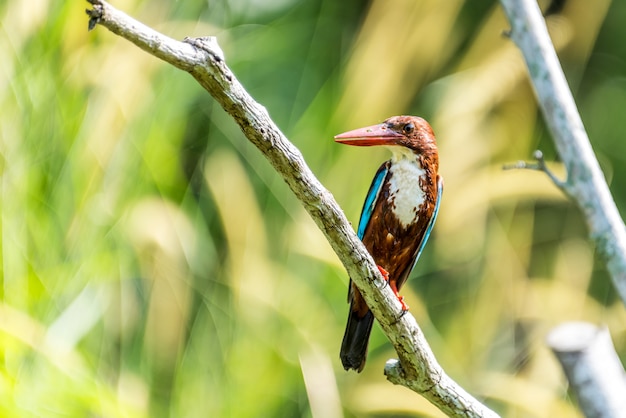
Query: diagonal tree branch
585	183
417	367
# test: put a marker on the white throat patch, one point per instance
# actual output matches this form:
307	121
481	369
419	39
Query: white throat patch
405	189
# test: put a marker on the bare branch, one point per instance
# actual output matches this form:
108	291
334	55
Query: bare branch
540	165
202	58
585	183
592	367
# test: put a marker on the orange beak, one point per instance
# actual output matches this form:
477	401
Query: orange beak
370	135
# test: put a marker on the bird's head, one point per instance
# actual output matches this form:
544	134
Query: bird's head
408	131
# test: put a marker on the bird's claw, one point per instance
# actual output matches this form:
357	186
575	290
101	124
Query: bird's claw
385	274
405	307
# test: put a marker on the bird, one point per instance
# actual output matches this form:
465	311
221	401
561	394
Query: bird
398	215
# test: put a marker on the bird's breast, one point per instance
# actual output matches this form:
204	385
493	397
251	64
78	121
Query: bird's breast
406	195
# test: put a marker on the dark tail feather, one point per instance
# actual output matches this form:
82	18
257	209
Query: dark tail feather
354	346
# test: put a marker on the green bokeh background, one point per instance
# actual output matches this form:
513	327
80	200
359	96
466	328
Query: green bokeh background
154	264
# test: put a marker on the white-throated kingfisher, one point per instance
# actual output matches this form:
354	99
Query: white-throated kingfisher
398	215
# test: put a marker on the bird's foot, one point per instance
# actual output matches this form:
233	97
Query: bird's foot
405	307
385	274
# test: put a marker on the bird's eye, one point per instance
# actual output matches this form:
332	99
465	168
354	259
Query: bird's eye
408	128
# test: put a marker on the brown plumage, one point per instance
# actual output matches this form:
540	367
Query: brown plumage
397	217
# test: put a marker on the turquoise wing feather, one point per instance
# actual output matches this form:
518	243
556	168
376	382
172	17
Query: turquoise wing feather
370	199
431	223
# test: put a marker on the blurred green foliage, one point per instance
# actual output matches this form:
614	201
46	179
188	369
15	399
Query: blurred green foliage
153	263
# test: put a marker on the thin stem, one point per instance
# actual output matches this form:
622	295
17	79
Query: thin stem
539	165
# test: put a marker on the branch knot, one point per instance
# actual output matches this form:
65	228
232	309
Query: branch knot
95	14
208	44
